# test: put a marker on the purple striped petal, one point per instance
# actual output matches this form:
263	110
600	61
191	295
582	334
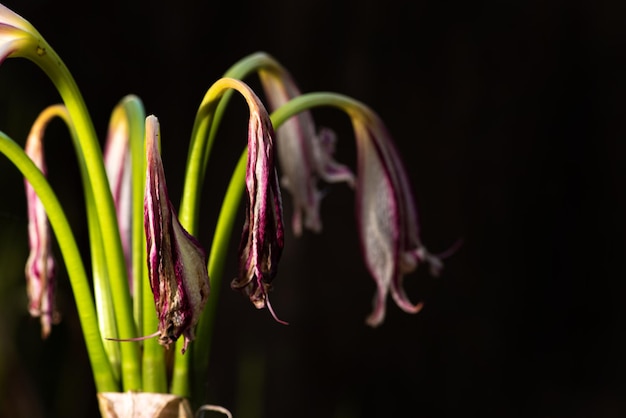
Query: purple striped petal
40	266
262	239
305	156
387	218
177	265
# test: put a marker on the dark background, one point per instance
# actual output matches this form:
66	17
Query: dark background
511	119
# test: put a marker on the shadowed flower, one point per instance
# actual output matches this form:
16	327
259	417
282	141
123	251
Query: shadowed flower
305	156
176	261
40	266
262	239
386	215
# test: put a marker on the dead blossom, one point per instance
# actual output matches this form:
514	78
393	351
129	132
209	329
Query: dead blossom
177	266
262	239
40	266
386	216
305	154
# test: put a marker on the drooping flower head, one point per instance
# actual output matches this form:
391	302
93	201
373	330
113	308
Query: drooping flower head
386	216
40	266
305	155
262	238
176	262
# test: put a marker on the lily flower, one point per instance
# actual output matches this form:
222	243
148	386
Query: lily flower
177	265
305	156
40	266
386	216
262	239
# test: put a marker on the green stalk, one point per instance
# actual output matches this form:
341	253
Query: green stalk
204	131
189	206
103	373
201	350
203	135
102	292
308	101
136	117
89	148
223	231
102	288
153	370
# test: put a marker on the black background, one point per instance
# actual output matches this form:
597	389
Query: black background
510	117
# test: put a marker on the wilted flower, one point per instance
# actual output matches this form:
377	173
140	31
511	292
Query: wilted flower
262	239
40	266
176	261
387	217
305	156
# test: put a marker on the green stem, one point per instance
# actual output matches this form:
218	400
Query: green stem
308	101
135	117
89	148
203	135
153	370
232	200
189	206
201	350
204	131
103	374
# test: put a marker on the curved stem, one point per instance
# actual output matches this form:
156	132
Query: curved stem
135	118
201	350
227	216
206	125
308	101
153	371
103	374
189	207
89	148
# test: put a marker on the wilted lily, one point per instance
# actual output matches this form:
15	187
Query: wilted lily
176	261
147	270
386	213
263	236
40	266
305	155
386	216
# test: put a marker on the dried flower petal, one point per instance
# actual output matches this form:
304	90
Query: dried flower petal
305	157
387	217
40	266
176	261
263	234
